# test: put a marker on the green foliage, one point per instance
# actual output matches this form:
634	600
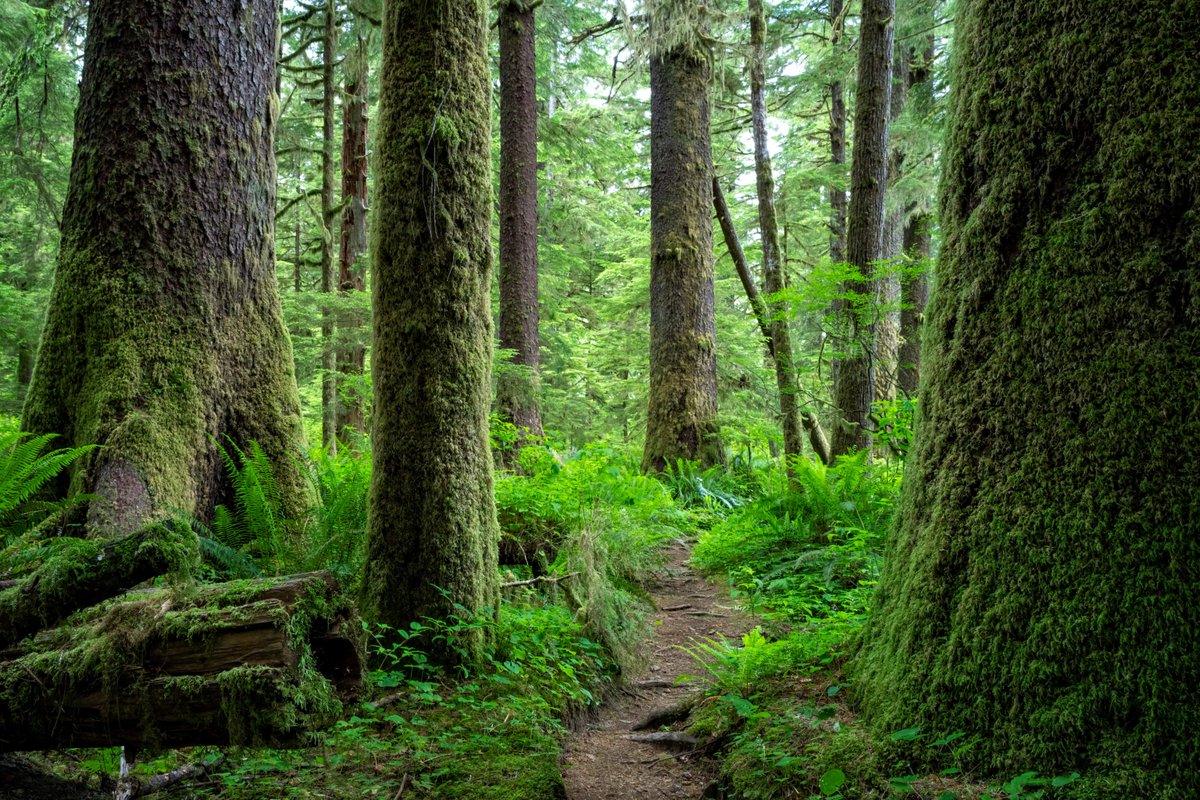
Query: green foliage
25	467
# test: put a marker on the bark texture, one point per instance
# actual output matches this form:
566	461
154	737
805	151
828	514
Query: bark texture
432	534
352	276
164	329
914	296
517	390
329	395
682	417
773	275
251	662
887	324
853	386
837	144
1040	588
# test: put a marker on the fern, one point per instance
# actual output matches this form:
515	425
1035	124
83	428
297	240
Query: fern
24	469
251	535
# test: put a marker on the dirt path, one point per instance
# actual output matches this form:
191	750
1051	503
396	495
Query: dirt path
600	763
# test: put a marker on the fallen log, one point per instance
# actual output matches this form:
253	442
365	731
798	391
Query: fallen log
86	571
257	662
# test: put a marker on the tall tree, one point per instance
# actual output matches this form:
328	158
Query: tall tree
329	398
1040	589
352	276
164	329
517	390
773	278
432	533
837	141
682	417
853	386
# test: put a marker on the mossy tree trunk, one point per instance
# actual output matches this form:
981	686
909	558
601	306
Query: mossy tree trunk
352	277
837	143
1040	589
164	328
517	390
329	394
682	418
854	384
432	535
773	277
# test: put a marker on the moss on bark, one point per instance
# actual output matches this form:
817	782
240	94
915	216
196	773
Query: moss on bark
164	329
433	536
1040	588
682	417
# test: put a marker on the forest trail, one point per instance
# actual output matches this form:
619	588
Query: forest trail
600	762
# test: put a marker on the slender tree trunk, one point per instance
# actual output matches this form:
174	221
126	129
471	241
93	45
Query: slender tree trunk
853	388
682	418
816	434
887	326
432	535
164	330
913	298
352	276
773	279
837	144
1040	585
517	390
329	395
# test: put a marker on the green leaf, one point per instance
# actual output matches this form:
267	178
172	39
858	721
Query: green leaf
831	781
906	735
947	795
1063	780
741	705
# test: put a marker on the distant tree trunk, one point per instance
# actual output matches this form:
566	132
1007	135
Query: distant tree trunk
1040	586
887	326
164	329
853	388
329	395
773	279
917	248
432	535
682	417
837	144
352	276
914	295
517	390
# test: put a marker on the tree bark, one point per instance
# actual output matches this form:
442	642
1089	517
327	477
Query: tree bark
432	532
682	418
773	277
352	276
164	330
810	421
837	144
329	394
886	357
1040	585
853	388
255	663
517	390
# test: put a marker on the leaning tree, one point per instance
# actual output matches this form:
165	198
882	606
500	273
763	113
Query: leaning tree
432	536
1041	586
165	331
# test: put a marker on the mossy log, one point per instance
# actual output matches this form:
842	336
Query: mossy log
255	662
86	572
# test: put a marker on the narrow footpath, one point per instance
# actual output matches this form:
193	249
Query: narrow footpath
603	762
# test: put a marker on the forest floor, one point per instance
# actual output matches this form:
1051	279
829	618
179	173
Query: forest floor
602	762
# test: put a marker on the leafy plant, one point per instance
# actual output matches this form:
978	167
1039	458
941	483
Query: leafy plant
25	467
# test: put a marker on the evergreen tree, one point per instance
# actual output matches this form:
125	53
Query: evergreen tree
682	417
164	329
432	534
1040	589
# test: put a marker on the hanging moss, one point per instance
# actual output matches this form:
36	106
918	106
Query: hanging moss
1040	586
164	329
432	538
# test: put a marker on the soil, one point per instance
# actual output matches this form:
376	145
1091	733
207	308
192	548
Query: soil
601	763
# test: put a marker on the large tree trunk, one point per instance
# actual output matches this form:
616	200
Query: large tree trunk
1040	588
517	390
853	387
682	418
253	663
432	533
329	395
352	277
164	329
773	276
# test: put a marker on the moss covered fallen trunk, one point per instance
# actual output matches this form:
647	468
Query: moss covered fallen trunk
250	662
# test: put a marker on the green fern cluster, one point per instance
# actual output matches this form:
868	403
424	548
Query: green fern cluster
24	469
